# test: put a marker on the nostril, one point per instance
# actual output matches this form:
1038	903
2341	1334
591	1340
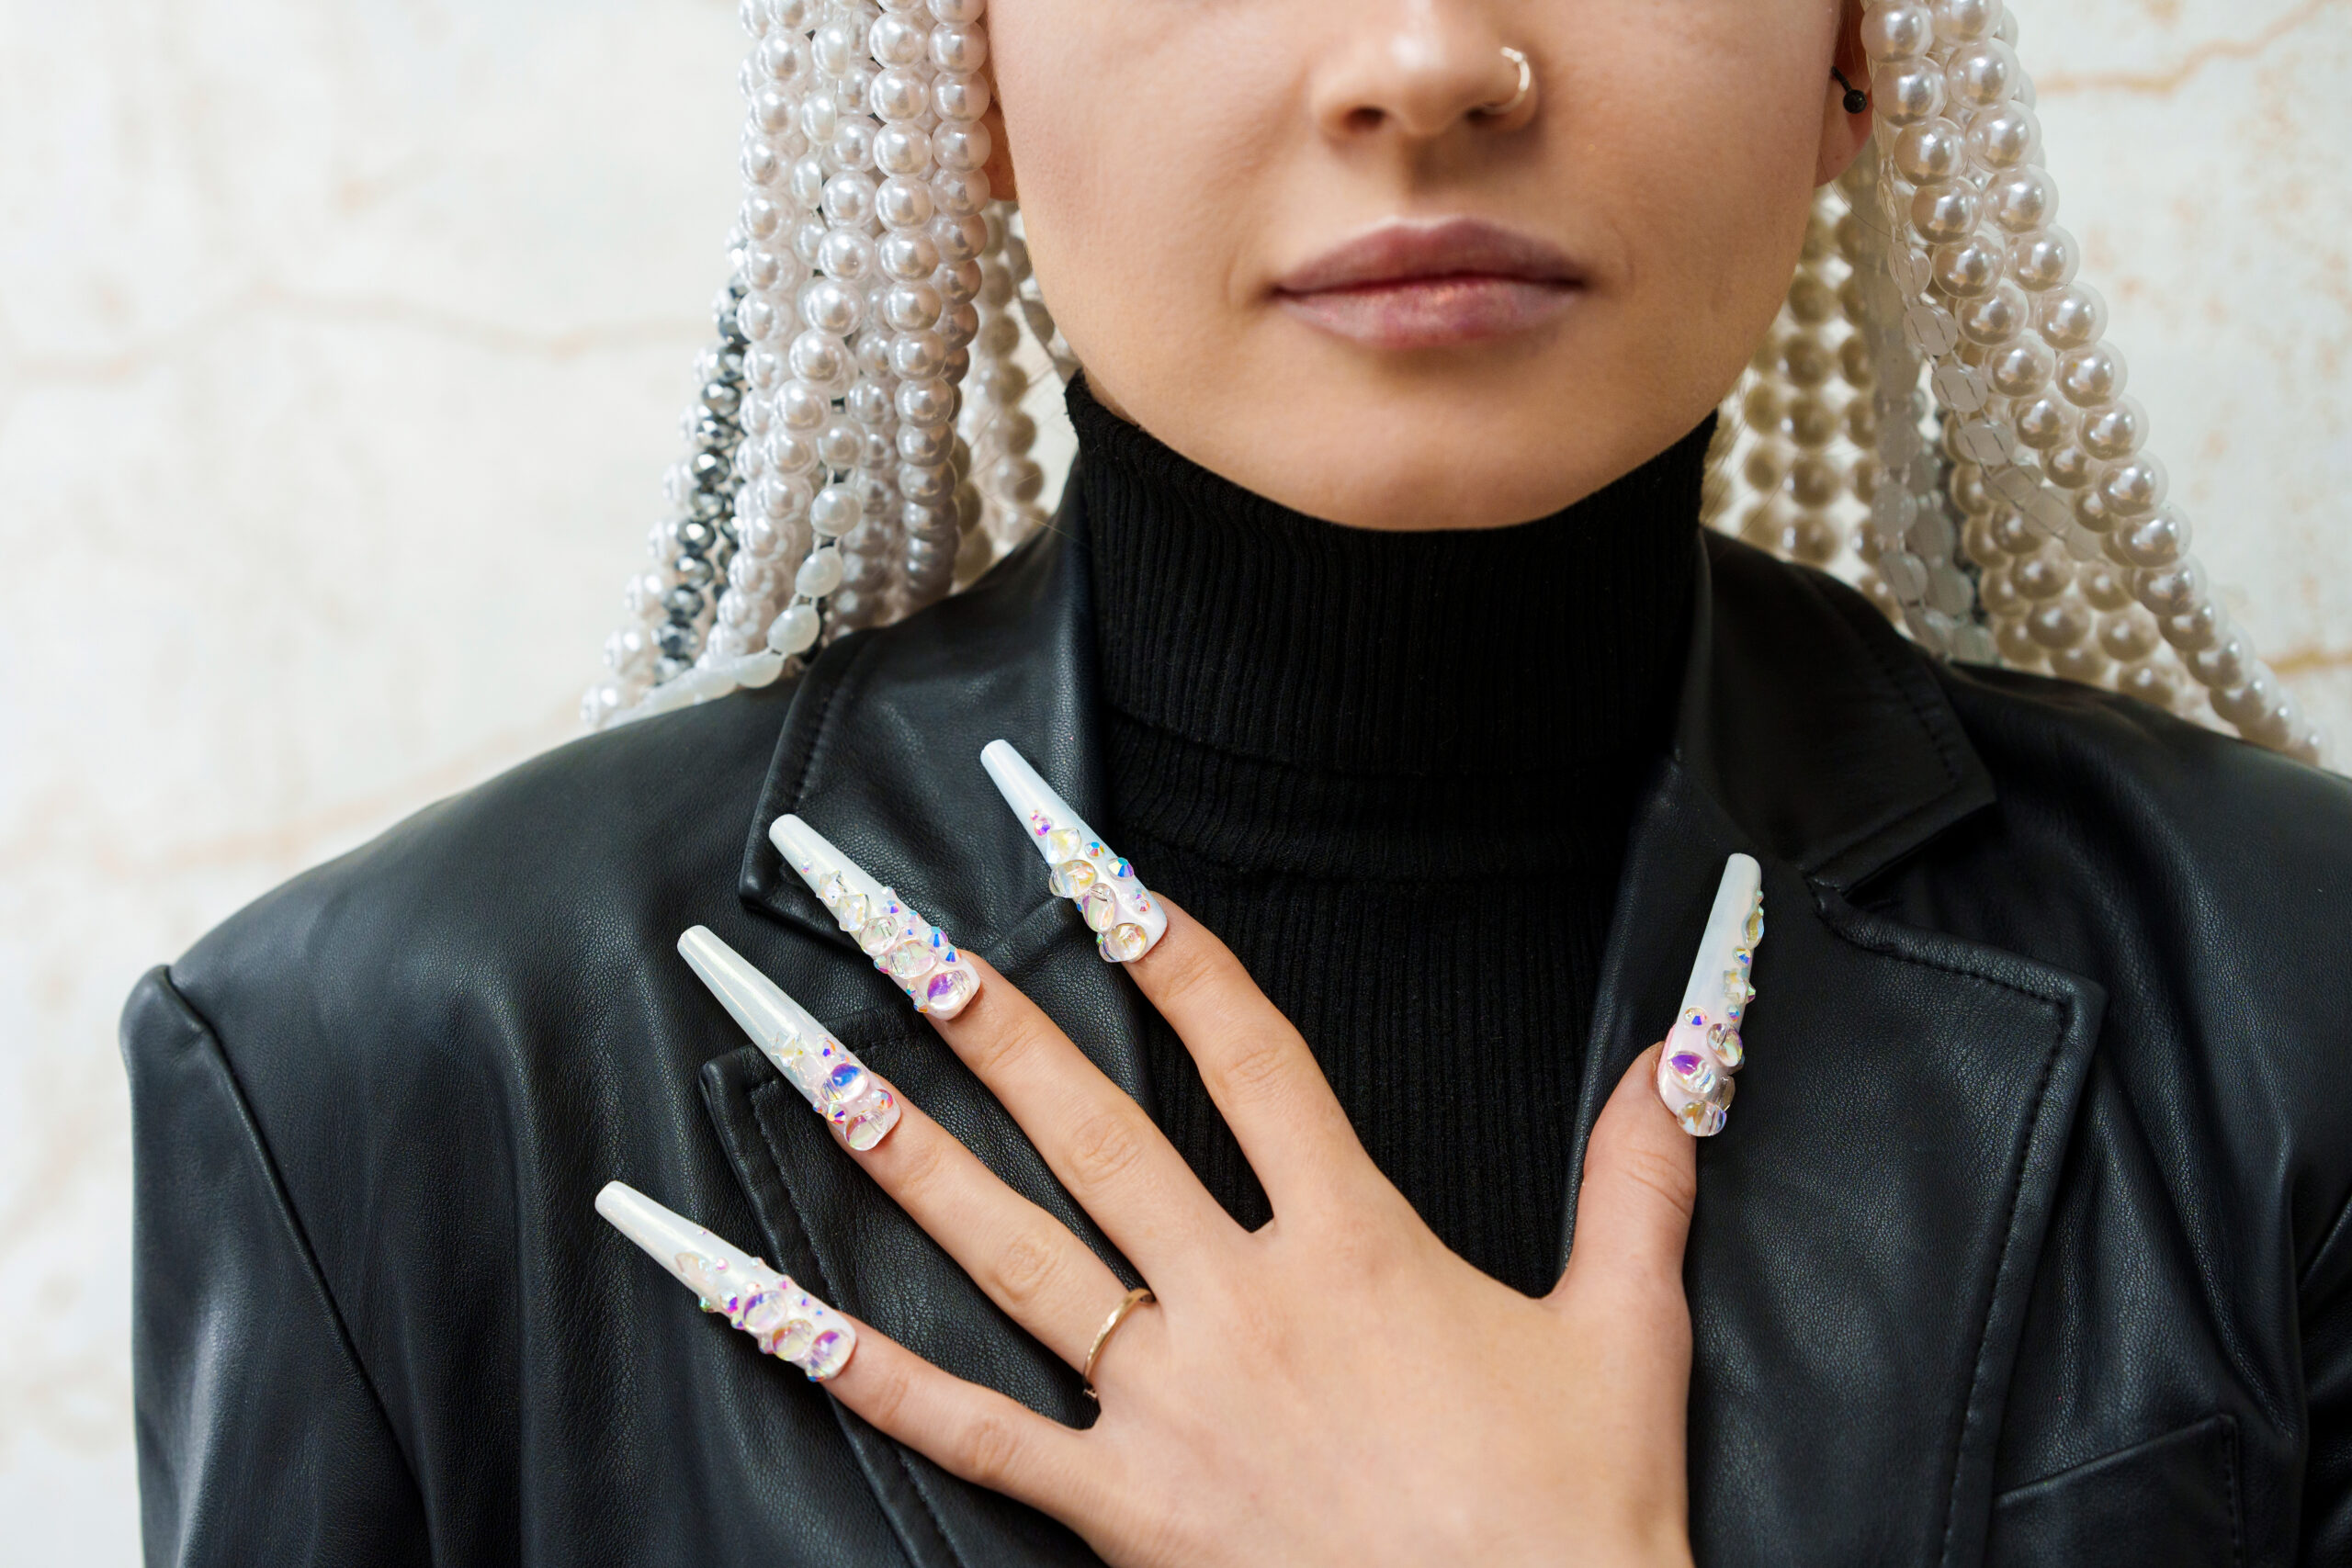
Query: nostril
1367	118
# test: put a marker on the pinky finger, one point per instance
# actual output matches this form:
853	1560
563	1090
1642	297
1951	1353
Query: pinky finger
974	1433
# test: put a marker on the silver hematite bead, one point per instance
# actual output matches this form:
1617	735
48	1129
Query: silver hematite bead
684	603
676	642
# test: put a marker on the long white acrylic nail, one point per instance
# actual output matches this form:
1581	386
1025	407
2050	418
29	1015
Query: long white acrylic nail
834	1083
788	1322
903	945
1703	1049
1127	921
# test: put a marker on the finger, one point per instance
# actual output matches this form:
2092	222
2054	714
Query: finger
1634	1206
1099	1144
975	1432
972	1432
1255	1065
1027	1261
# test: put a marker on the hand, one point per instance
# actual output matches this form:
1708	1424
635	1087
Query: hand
1335	1387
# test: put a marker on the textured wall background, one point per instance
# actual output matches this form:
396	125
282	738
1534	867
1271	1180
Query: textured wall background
341	348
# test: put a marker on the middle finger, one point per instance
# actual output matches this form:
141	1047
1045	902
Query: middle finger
1106	1153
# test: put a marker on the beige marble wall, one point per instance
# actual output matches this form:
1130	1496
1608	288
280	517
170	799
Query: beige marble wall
341	346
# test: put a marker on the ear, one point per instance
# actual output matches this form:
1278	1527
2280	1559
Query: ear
1843	135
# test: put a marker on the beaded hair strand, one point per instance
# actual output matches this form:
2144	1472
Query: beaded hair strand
859	446
2010	512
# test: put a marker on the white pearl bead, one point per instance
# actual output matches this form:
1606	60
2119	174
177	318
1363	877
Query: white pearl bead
962	49
2115	430
1929	152
2044	261
795	631
2072	316
960	97
1965	20
819	574
1897	32
1906	93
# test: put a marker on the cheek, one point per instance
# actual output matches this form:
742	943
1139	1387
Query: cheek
1133	145
1714	194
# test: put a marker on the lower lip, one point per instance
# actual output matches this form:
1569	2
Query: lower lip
1435	312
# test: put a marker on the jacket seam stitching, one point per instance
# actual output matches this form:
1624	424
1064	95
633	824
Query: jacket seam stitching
301	1232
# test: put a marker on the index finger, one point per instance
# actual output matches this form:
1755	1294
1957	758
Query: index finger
1255	1065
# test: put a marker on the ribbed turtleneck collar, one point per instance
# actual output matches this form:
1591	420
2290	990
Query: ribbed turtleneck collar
1261	633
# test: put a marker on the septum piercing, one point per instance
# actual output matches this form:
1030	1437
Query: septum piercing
834	1083
1127	923
1526	86
903	945
788	1322
1703	1049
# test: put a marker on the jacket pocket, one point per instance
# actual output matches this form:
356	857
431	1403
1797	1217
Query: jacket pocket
2171	1501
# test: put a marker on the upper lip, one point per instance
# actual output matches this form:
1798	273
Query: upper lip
1402	253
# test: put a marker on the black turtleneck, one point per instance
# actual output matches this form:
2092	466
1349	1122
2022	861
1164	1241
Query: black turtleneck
1395	772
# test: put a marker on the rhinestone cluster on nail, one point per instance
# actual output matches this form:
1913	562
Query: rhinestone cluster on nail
1703	1050
838	1086
1117	908
903	945
788	1322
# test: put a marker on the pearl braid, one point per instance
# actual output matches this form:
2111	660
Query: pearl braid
2014	516
857	260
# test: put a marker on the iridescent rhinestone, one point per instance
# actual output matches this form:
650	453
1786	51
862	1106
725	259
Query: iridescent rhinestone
1072	878
878	934
1063	844
1121	871
911	961
851	910
1692	1070
947	990
1099	908
1732	1051
1695	1019
867	1127
845	1083
826	1354
1123	944
1743	958
1756	923
1701	1120
766	1313
792	1340
833	891
1735	985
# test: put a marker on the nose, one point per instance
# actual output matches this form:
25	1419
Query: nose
1416	69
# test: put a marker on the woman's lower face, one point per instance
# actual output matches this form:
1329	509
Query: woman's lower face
1329	250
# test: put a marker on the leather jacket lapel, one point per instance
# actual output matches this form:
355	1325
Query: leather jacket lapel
1868	1229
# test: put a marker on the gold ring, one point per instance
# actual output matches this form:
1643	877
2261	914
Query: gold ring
1138	1297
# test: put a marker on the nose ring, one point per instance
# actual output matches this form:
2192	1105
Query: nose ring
1525	91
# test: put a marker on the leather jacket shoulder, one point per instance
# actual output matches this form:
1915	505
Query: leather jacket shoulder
2030	1246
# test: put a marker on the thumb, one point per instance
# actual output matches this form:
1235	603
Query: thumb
1641	1181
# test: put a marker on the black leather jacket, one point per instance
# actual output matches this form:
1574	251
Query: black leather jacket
2029	1243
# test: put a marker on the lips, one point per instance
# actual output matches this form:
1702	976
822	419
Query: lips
1423	286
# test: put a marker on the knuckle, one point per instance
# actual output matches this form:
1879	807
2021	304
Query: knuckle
1259	1068
887	1396
990	1449
921	1168
1016	1041
1673	1181
1192	970
1026	1271
1103	1148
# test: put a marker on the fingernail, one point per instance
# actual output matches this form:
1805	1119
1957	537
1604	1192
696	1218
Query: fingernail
789	1323
834	1083
903	945
1703	1050
1126	921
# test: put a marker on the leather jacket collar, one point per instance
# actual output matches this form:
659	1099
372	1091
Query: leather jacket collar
1900	1128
